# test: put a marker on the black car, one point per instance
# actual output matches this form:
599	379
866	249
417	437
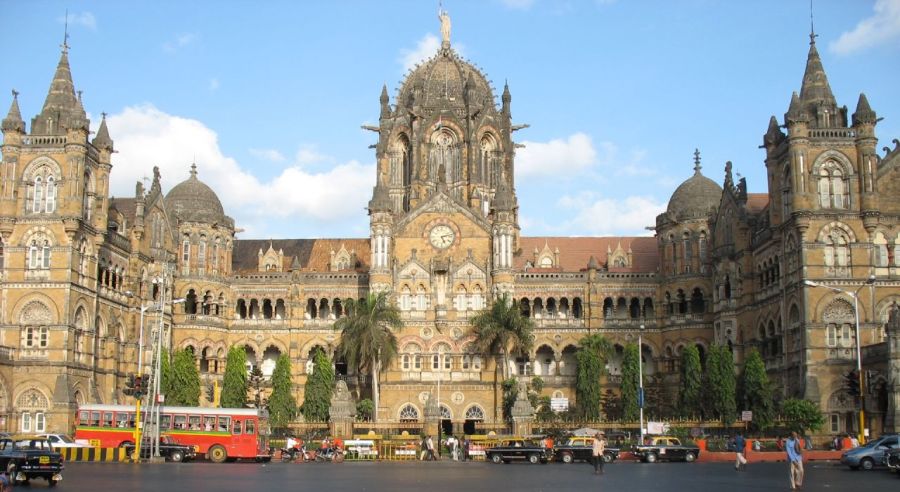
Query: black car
518	449
581	449
27	456
169	449
665	448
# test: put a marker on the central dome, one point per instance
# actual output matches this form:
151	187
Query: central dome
442	78
193	201
696	196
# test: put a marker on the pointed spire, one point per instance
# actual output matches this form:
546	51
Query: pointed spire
385	102
61	108
102	140
815	90
295	263
13	120
503	199
864	113
593	264
506	98
773	134
380	201
697	165
795	111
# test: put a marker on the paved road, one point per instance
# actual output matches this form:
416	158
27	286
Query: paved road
457	477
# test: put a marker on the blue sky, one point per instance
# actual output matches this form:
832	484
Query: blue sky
268	97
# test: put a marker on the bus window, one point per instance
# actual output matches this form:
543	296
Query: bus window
131	420
122	420
95	419
165	422
83	417
194	422
209	423
237	428
180	422
107	419
250	427
224	424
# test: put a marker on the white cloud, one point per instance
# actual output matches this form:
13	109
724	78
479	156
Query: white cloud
268	154
179	42
425	49
570	156
882	28
145	137
518	4
605	216
213	84
307	154
84	19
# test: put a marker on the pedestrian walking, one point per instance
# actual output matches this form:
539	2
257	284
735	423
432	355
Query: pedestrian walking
429	445
795	458
424	452
5	482
597	448
467	446
740	444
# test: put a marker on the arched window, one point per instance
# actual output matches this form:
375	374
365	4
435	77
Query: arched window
881	250
833	186
837	253
688	252
38	194
50	195
201	252
409	413
475	413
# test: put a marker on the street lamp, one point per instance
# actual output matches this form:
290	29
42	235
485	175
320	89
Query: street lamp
138	426
641	380
862	418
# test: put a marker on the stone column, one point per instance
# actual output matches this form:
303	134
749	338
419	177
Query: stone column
432	418
342	413
522	412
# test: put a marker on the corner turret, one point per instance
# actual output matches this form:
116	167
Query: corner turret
13	121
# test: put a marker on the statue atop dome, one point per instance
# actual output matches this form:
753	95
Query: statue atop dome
444	17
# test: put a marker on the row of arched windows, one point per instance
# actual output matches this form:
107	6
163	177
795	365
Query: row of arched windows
551	308
769	272
624	309
680	304
260	309
690	255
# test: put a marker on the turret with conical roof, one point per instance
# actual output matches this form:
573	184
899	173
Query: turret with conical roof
102	140
13	121
62	109
384	100
816	98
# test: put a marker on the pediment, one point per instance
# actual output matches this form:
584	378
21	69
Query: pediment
413	268
469	270
440	202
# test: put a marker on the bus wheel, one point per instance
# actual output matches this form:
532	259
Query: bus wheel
124	444
217	454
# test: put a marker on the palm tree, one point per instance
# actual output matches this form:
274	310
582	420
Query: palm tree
598	344
501	328
367	336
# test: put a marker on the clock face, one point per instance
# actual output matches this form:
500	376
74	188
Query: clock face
441	236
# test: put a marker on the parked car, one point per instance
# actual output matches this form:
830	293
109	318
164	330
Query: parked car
169	449
518	449
580	448
871	454
665	448
64	441
28	456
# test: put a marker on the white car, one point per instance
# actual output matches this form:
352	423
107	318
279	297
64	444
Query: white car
64	441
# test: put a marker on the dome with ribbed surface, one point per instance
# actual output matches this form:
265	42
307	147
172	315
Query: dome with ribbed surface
445	78
192	200
696	196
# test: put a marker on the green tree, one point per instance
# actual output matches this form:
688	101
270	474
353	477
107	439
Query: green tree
368	341
282	404
235	384
591	363
691	384
500	329
165	373
364	410
801	415
720	385
185	381
757	392
630	382
317	392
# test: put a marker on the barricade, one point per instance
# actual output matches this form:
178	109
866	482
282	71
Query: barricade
93	454
360	450
398	450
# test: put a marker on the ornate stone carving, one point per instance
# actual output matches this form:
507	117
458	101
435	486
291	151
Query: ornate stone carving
36	313
342	405
839	311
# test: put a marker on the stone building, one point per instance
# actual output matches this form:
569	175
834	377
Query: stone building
82	272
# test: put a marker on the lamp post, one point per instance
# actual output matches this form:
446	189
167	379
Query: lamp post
641	380
138	426
862	398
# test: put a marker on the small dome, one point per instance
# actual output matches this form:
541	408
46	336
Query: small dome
192	200
696	196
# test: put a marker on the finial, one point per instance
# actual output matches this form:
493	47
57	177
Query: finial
697	165
103	114
812	27
444	17
65	44
194	170
79	95
15	94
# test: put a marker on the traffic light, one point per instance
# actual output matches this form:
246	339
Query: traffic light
130	382
851	381
138	385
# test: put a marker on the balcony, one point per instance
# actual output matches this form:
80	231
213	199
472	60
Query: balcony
203	320
7	354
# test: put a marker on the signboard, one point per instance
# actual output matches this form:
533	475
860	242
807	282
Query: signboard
160	398
658	428
559	404
746	416
640	397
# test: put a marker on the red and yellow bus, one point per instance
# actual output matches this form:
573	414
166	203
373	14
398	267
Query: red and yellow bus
218	433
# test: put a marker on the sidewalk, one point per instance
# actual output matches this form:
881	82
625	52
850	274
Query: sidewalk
752	457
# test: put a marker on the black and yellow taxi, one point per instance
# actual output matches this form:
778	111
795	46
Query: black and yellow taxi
28	456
